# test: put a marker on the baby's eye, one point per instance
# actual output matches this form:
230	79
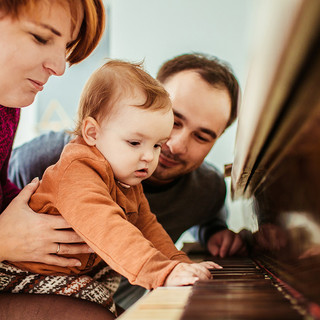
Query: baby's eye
158	145
134	143
39	39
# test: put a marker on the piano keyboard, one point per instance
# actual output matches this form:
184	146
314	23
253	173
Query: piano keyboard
163	303
241	290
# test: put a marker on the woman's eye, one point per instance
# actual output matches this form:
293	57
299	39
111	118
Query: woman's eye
39	39
70	44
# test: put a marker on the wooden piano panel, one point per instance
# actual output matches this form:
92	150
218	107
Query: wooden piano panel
277	154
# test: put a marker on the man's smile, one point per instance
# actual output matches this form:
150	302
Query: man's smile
167	162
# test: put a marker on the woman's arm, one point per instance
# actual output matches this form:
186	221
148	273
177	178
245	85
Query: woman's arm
29	236
25	235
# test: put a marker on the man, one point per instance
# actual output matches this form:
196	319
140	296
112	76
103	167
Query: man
184	191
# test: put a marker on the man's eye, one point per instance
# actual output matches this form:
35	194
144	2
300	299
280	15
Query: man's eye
201	138
39	39
177	124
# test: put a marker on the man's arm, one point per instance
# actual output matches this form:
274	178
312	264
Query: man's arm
32	158
214	233
216	224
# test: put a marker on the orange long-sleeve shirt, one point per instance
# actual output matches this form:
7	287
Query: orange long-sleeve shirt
116	222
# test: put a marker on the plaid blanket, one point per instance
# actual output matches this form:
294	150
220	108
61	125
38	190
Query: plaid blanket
98	286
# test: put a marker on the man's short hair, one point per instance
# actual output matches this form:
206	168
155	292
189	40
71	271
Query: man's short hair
211	69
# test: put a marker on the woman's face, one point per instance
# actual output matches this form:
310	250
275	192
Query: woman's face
33	48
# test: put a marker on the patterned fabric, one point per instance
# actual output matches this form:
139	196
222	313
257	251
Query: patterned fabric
9	119
99	288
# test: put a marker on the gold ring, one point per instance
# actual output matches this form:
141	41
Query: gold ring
58	249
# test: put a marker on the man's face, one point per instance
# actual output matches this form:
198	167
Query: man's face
201	113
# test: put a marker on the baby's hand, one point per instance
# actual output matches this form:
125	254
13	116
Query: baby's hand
185	273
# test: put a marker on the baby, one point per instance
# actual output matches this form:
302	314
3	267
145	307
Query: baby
124	118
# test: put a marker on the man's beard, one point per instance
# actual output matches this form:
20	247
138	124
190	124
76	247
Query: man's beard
163	173
167	154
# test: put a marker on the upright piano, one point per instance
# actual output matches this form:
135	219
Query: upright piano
277	169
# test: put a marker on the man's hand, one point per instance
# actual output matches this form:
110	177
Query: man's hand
226	243
29	236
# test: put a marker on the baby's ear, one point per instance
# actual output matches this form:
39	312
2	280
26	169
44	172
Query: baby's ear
90	128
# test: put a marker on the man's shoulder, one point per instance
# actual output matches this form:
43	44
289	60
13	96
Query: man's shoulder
207	172
32	158
48	142
203	180
53	138
209	168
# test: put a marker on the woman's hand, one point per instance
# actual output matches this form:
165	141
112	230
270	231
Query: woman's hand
29	236
186	274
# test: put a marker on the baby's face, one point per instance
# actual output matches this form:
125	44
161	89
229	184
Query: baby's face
131	139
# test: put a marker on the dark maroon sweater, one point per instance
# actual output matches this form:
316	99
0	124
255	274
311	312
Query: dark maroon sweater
9	118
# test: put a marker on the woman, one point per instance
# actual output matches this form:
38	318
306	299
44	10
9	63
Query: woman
37	38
